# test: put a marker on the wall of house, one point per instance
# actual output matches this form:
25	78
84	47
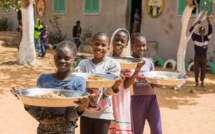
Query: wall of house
166	31
12	20
108	20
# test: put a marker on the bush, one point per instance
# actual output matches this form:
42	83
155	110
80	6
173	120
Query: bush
3	24
87	33
55	35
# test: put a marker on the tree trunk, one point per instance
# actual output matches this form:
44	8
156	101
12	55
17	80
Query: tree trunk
183	40
27	54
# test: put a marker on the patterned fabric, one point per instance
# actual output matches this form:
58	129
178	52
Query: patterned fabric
56	129
121	106
57	115
44	36
117	127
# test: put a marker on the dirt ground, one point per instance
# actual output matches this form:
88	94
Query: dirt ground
182	112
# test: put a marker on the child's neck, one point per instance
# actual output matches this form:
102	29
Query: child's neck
117	54
97	60
136	56
63	75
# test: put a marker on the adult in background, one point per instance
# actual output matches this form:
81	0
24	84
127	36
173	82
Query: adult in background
201	46
38	28
136	25
77	33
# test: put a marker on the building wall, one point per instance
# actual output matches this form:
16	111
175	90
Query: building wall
166	30
114	14
12	20
108	20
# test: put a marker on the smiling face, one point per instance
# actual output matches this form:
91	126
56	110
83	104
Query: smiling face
139	46
64	58
120	42
100	46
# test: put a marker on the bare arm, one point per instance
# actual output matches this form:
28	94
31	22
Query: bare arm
129	81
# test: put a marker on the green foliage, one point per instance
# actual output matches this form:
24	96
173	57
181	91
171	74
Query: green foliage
87	33
13	4
191	60
3	24
212	56
55	35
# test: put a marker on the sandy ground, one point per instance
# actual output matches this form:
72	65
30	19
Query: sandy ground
182	112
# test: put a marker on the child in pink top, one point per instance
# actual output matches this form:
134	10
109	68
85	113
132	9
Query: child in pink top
120	47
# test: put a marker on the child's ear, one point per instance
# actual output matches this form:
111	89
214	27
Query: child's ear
108	47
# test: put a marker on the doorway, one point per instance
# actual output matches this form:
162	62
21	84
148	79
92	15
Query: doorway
134	4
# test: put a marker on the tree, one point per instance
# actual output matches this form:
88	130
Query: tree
185	38
27	54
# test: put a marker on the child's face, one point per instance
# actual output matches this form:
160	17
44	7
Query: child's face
139	46
64	58
202	32
120	42
100	46
46	28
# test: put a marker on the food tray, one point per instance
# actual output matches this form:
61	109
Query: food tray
165	78
108	81
130	63
28	97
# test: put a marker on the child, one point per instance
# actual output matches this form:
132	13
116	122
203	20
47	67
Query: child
144	105
77	33
44	38
97	117
63	119
121	47
201	42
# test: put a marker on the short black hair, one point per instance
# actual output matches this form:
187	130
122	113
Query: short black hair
135	36
102	34
201	28
68	44
78	22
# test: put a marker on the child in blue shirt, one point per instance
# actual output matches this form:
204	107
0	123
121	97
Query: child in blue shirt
60	120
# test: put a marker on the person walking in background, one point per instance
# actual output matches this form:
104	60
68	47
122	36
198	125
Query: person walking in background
77	33
201	46
136	25
38	28
44	38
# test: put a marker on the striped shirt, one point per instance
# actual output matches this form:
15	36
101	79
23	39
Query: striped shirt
201	43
